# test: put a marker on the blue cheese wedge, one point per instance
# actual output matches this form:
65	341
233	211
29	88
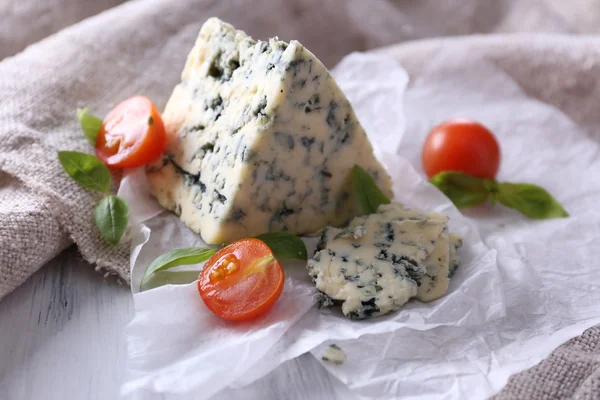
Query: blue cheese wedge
334	354
262	139
380	261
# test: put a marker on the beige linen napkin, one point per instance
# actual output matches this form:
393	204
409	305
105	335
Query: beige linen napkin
23	22
140	47
42	211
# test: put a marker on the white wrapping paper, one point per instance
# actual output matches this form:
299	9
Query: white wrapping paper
523	287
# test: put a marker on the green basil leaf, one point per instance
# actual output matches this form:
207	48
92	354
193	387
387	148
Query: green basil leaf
369	194
87	170
531	200
285	245
89	124
111	216
169	278
464	190
492	186
175	258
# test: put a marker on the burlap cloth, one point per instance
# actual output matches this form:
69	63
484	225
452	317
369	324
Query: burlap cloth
140	47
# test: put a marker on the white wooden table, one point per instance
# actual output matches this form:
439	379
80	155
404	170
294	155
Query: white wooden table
62	336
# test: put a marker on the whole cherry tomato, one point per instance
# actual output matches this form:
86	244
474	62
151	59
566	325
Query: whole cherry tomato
461	145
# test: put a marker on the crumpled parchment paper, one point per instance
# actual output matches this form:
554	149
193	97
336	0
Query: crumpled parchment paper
523	287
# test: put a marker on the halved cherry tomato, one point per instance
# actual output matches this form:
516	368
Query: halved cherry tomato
461	145
241	281
132	134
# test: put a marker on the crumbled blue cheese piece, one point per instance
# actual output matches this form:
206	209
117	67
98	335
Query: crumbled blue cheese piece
434	283
334	354
456	242
380	261
261	139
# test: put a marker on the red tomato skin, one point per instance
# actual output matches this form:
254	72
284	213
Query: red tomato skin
461	145
146	141
251	305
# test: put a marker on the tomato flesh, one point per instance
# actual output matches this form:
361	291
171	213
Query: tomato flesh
241	281
132	134
461	145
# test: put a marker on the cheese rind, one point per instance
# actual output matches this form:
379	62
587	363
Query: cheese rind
380	261
261	139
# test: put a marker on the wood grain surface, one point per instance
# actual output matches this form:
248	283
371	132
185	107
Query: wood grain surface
62	337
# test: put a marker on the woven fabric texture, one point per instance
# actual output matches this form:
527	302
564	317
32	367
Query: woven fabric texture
140	47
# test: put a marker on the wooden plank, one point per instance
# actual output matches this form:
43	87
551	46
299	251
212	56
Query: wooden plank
62	336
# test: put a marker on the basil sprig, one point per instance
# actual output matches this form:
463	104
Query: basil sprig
464	190
111	213
469	191
175	258
86	169
90	124
111	216
368	193
284	245
531	200
162	278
